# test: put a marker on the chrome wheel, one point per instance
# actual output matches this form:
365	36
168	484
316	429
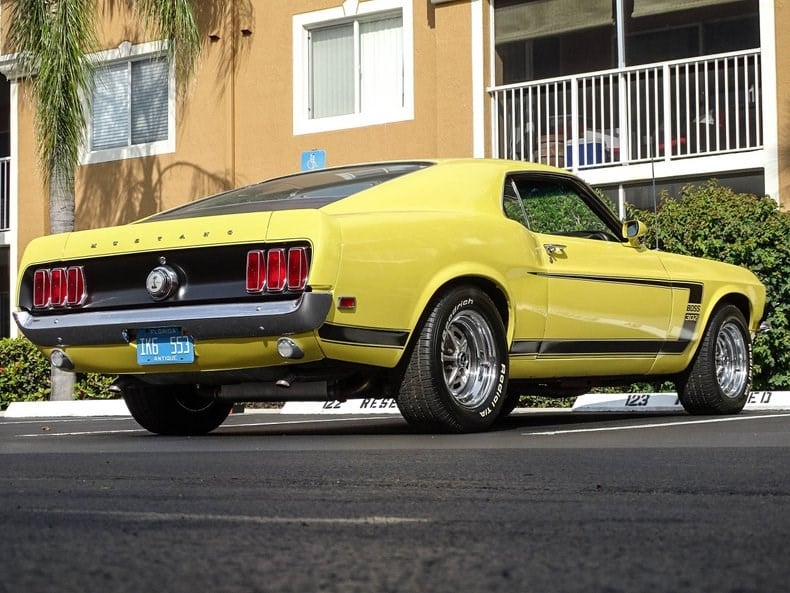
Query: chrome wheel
469	358
456	375
718	379
732	360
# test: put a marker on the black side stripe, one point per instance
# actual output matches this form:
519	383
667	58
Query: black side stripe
695	288
596	347
363	336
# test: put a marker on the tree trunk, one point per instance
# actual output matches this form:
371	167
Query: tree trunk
61	201
61	220
62	385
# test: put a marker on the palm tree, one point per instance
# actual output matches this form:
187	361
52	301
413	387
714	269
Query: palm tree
52	39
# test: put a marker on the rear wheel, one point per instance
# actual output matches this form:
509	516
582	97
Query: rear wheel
456	378
173	409
719	378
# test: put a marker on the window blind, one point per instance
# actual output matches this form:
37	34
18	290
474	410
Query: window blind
650	7
539	18
149	95
129	103
332	71
381	65
110	107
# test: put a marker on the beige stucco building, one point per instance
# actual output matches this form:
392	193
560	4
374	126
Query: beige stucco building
631	94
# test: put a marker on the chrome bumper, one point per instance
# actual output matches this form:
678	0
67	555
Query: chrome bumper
203	322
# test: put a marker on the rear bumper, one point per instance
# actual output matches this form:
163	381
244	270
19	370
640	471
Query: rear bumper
203	322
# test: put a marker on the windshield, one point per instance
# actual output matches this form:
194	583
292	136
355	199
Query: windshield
304	190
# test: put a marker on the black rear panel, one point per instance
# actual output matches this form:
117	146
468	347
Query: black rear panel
206	275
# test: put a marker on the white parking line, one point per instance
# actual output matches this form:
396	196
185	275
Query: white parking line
79	434
654	425
222	428
63	420
312	421
255	519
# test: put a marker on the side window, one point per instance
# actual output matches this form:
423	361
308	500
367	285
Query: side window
556	208
513	207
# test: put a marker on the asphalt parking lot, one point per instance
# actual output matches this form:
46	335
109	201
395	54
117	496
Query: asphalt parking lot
550	501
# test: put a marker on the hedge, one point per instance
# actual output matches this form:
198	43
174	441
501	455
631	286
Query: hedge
25	375
715	222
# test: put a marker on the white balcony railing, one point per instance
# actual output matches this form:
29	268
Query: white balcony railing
672	110
5	194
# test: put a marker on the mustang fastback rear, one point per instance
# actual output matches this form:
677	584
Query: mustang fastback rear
453	286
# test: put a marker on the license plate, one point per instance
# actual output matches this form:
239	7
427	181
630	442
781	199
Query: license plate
164	345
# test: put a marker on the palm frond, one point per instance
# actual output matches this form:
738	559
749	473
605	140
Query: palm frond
174	20
53	39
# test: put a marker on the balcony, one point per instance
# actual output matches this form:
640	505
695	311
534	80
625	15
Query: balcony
669	111
5	194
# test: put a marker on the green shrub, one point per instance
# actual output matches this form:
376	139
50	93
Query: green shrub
715	222
25	375
24	372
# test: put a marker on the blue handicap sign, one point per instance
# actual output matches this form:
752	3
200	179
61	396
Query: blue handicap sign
313	159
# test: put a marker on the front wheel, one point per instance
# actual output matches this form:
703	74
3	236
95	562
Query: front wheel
173	409
719	378
456	377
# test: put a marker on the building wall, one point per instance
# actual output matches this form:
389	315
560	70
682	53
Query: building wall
236	126
120	191
782	25
265	142
32	197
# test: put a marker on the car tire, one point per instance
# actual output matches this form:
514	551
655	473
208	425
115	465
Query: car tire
719	378
173	409
456	376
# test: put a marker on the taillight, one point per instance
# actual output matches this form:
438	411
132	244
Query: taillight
256	271
41	289
75	286
59	287
297	268
277	270
57	290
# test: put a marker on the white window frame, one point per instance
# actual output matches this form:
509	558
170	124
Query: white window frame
350	11
126	52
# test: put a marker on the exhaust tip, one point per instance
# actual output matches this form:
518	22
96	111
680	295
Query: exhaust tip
287	348
60	360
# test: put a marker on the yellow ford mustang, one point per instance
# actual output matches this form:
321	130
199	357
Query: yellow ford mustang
454	286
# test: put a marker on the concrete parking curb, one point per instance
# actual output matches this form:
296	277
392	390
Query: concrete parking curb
370	405
641	403
86	407
668	402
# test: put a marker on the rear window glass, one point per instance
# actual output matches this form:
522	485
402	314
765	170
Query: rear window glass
304	190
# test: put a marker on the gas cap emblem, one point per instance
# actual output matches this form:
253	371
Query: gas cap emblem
161	283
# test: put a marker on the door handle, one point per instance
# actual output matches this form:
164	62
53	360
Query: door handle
554	250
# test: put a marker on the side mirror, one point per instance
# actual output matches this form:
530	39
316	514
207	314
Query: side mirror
634	230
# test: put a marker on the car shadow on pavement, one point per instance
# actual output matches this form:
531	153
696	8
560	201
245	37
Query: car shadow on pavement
395	425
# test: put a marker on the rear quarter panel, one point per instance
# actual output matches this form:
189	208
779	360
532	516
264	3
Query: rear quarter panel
394	270
402	241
